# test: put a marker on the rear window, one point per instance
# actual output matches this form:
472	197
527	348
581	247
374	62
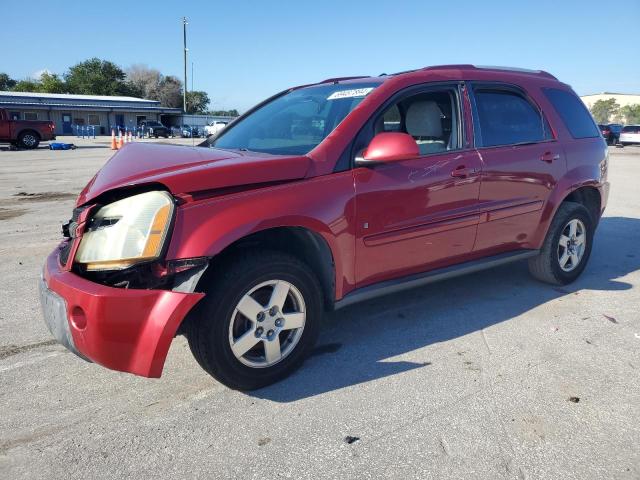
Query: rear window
573	113
631	129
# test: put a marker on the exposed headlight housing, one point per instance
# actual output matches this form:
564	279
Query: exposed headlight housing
127	232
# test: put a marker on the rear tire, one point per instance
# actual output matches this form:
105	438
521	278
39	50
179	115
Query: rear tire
557	264
29	140
247	284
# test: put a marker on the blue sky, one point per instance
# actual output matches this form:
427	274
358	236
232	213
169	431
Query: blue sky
244	51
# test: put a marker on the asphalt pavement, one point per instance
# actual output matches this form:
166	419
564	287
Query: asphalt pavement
489	376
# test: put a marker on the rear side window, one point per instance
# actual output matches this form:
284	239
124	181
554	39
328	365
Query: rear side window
573	113
505	117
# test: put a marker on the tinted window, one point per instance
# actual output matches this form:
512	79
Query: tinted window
631	129
573	113
507	118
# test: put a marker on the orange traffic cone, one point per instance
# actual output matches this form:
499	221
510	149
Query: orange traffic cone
121	142
114	146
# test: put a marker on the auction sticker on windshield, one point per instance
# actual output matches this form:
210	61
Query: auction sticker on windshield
356	92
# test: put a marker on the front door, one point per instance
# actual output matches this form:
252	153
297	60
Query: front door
418	214
521	162
67	129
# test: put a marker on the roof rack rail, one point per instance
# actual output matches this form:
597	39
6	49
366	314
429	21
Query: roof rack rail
515	69
486	67
339	79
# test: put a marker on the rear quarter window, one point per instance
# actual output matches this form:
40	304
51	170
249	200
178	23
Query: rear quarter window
573	113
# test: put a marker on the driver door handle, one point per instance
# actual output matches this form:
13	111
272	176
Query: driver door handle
462	172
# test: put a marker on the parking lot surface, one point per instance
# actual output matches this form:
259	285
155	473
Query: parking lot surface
489	376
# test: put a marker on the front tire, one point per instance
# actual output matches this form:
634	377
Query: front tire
259	320
567	247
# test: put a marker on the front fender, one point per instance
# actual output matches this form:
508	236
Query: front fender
323	205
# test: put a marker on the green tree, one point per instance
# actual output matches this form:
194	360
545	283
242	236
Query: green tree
197	102
6	82
27	85
97	77
51	83
631	113
603	110
224	113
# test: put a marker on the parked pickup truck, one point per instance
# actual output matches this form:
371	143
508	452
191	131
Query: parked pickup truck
320	197
25	133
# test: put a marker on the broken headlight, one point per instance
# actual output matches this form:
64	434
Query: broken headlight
126	232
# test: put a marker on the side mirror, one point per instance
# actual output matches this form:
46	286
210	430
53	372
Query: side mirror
389	147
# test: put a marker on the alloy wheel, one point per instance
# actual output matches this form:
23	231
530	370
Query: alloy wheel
267	324
572	245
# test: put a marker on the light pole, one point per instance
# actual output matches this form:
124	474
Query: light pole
184	90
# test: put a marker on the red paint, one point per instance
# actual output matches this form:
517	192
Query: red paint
391	147
124	329
380	222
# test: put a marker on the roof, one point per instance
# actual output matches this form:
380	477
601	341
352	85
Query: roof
460	69
69	96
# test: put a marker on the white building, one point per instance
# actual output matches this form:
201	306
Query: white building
70	111
622	99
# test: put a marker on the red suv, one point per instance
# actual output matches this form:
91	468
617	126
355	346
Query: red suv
319	197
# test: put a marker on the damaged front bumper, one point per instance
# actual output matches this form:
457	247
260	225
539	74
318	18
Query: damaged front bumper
128	330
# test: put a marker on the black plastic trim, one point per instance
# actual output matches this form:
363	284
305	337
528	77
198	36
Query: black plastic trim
417	280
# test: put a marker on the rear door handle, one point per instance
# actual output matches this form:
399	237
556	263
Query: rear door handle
549	157
462	172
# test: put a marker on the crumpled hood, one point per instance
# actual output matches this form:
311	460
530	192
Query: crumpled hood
191	169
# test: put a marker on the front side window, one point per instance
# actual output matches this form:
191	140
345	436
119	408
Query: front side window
431	118
504	117
296	122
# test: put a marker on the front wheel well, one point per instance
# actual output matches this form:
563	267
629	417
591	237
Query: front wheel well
29	130
304	244
590	198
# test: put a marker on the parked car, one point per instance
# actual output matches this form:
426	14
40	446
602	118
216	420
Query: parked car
190	131
153	129
214	127
320	197
611	132
25	133
630	135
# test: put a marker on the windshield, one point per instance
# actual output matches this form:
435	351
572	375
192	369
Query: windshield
295	123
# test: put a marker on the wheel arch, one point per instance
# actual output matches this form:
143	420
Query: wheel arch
590	197
307	245
587	194
29	130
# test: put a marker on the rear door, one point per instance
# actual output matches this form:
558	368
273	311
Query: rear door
521	162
